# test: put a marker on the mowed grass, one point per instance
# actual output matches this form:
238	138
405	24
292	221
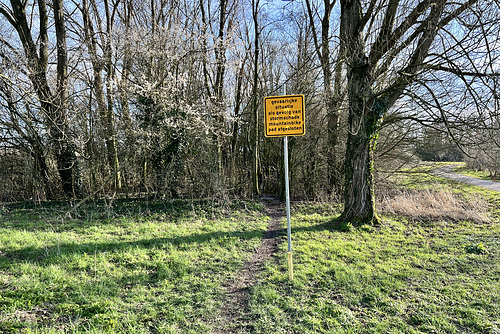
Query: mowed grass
408	275
121	267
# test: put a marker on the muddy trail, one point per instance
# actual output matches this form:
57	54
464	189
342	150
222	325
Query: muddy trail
232	317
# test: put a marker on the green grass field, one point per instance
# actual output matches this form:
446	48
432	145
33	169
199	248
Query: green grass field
126	267
137	266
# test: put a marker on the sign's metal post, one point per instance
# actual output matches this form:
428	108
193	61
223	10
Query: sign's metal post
287	195
288	226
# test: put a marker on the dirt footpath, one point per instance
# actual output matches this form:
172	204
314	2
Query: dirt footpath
233	314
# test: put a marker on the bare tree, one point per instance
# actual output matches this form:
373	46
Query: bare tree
21	129
104	92
255	120
53	100
391	47
333	91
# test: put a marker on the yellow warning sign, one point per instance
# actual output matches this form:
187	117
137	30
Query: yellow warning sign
284	115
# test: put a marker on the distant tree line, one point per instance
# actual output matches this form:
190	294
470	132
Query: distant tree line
164	97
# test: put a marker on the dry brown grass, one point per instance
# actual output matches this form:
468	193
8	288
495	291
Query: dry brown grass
425	205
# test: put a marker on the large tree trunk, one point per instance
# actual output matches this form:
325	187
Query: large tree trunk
364	116
367	109
359	200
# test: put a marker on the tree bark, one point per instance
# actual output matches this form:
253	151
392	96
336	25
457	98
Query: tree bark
237	107
359	205
255	153
104	101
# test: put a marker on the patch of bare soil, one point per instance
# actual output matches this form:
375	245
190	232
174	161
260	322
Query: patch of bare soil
235	306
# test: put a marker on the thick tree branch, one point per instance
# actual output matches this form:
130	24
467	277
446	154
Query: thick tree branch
369	12
378	51
313	28
386	28
446	20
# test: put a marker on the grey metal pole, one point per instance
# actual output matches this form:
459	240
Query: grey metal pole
287	191
287	194
288	225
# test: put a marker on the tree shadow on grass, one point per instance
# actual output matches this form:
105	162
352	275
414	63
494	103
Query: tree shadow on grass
333	225
48	254
172	211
